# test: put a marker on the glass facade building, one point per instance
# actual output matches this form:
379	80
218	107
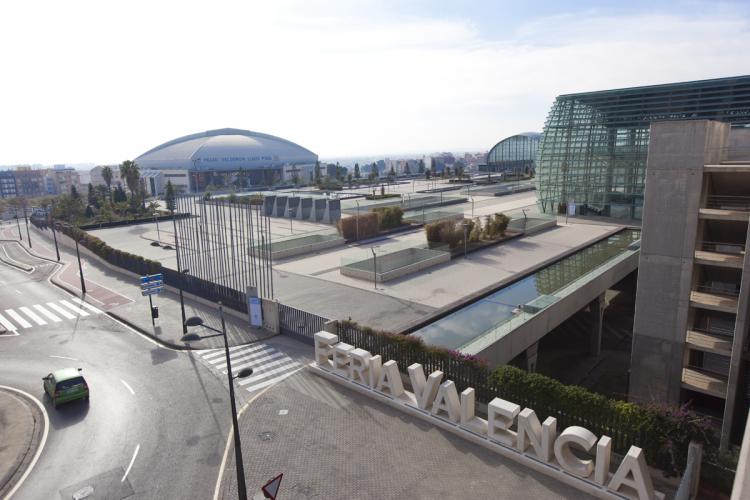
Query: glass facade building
594	148
515	154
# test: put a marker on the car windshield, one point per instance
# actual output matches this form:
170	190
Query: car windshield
67	384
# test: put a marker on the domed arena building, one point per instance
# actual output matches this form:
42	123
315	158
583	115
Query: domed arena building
226	158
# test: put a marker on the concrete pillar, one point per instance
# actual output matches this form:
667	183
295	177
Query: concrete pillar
531	356
331	327
597	321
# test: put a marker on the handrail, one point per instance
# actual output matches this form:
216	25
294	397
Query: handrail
718	290
723	247
727	202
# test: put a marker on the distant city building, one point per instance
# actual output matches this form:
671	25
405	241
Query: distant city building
437	162
61	179
30	182
595	145
96	179
230	157
7	184
514	155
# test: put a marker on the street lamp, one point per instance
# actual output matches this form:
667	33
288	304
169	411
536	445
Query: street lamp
465	225
179	270
26	217
290	212
245	372
374	267
19	227
158	233
357	202
54	235
80	268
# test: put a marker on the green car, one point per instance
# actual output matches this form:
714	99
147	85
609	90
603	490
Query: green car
66	385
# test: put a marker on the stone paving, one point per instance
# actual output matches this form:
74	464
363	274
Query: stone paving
333	443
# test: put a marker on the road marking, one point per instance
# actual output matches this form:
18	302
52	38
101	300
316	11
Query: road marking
135	454
41	443
7	324
60	310
77	310
63	357
19	319
87	305
42	310
129	388
31	314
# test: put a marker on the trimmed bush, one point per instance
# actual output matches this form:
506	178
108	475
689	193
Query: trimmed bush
368	226
389	217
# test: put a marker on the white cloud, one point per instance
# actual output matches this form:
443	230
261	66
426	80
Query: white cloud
100	83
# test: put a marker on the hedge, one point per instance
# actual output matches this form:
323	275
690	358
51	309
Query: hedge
663	432
368	226
389	217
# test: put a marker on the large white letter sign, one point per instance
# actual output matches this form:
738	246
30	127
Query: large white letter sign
447	401
341	358
634	464
425	392
359	366
603	455
390	380
500	416
323	348
539	436
376	366
468	420
583	438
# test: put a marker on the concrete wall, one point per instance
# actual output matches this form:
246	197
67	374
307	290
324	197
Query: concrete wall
364	274
739	144
674	180
307	249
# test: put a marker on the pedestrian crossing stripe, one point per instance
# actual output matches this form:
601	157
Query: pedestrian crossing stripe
269	365
24	317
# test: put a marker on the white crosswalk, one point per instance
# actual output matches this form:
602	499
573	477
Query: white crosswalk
269	365
25	317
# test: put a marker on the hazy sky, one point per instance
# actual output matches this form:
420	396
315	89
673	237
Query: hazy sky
105	81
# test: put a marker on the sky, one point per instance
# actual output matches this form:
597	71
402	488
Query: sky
102	82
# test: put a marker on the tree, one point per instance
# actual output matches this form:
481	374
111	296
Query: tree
107	176
427	174
92	198
169	197
317	172
74	193
295	178
349	178
407	170
391	172
375	169
119	195
357	175
131	173
421	166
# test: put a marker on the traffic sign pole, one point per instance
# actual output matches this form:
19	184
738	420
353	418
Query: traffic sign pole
151	310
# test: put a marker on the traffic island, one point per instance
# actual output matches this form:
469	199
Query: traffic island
21	435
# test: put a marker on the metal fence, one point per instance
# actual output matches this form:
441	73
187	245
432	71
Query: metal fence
300	324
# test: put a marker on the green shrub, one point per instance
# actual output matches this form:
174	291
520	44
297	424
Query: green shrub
389	217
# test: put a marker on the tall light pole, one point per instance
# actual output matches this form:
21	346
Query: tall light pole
290	212
196	321
179	271
158	233
80	267
374	268
357	202
26	217
54	235
19	227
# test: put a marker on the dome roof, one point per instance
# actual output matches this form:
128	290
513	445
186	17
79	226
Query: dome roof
225	149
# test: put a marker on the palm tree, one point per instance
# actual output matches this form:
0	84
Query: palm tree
131	173
107	176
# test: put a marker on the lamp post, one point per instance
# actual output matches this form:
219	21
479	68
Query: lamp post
54	235
374	267
158	233
465	225
290	212
19	227
26	217
357	202
179	270
245	372
80	268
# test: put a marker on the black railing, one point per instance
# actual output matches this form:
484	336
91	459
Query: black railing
721	247
725	289
728	202
300	324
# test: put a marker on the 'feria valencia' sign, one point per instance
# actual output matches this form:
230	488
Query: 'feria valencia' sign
534	444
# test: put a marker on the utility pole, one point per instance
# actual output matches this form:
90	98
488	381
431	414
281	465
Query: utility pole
26	217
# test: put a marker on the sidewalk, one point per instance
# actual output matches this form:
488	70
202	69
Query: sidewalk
20	432
118	293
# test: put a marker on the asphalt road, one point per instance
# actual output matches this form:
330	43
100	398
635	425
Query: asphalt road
157	420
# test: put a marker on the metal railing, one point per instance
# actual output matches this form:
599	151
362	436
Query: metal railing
300	324
728	202
722	247
725	289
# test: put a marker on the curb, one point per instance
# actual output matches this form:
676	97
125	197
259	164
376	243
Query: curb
23	462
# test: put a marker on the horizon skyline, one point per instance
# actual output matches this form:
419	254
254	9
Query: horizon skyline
343	79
